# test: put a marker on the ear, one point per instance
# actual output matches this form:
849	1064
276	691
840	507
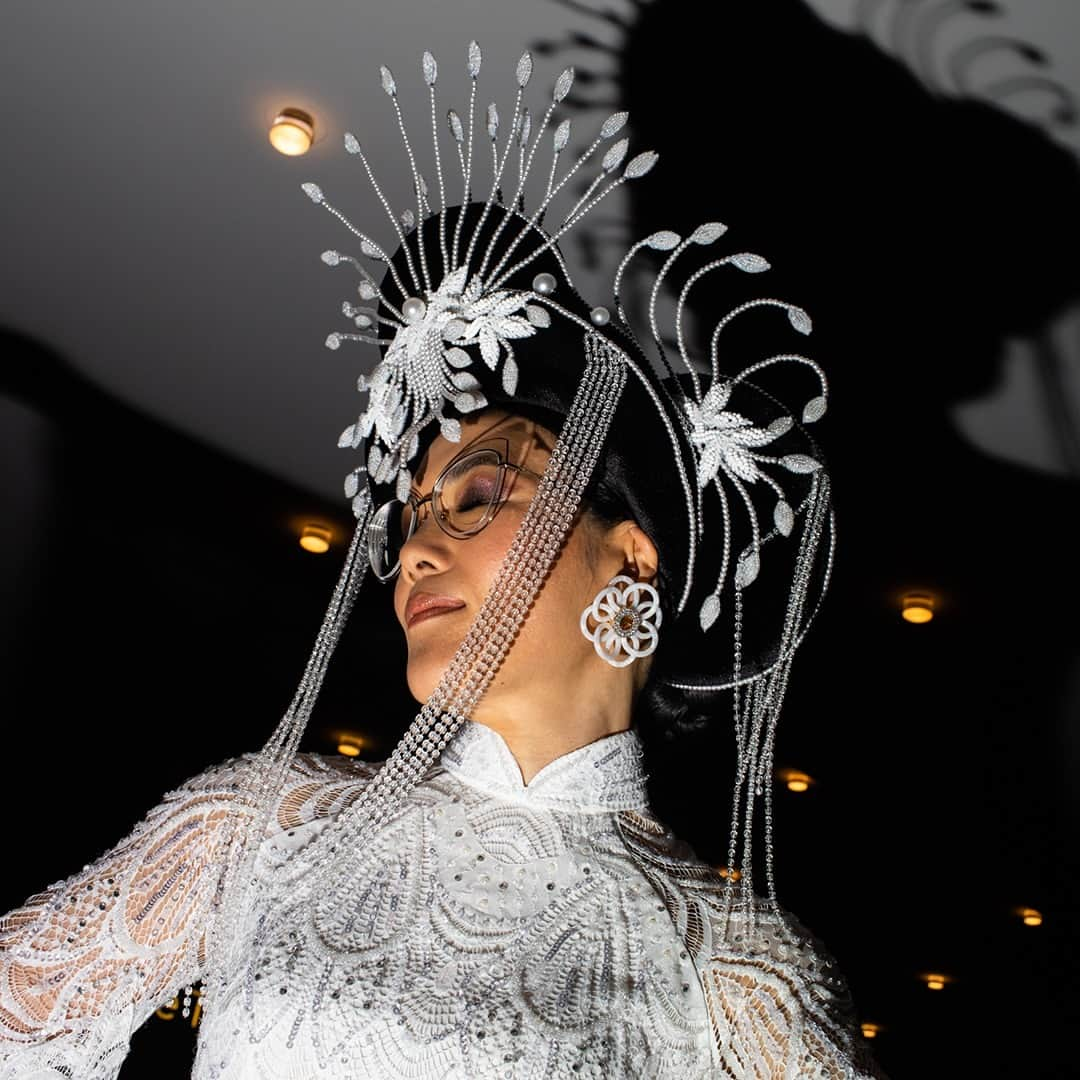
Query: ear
630	543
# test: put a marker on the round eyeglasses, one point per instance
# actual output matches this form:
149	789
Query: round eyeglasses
466	496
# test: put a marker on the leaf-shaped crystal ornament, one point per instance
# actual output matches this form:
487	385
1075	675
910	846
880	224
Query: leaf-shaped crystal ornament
814	409
388	83
374	458
524	69
641	164
450	430
750	263
456	128
333	341
465	380
708	233
799	319
509	376
431	69
492	120
561	136
563	84
474	59
331	258
613	124
352	143
312	191
780	426
664	240
748	568
710	611
613	158
538	316
783	518
352	482
800	463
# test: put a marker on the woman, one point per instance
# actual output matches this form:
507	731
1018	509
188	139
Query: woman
497	899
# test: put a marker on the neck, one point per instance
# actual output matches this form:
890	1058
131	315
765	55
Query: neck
556	716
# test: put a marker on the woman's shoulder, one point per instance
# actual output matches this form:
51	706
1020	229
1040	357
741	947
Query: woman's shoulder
749	949
715	915
314	786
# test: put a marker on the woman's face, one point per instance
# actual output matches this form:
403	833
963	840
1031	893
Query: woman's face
443	580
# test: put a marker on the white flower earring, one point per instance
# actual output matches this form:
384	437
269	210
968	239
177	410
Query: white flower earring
626	616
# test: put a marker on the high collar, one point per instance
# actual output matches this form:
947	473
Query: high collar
605	775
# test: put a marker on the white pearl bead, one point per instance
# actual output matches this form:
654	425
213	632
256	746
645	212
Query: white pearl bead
600	316
544	284
414	309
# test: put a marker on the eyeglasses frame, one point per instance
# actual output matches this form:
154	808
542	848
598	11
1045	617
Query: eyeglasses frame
504	465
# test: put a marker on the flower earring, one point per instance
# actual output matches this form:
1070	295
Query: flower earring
626	616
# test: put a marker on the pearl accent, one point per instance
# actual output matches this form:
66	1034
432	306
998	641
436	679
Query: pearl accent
600	316
544	284
414	309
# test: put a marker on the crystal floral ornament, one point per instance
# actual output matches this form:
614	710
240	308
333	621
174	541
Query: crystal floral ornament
427	365
727	444
625	618
447	317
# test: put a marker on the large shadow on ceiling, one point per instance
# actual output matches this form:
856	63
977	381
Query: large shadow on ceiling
920	232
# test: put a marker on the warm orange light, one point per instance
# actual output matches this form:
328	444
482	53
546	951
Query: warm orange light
794	780
724	872
936	982
348	743
315	538
1031	917
292	132
917	607
870	1031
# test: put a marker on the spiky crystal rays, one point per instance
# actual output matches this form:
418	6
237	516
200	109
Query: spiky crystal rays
444	315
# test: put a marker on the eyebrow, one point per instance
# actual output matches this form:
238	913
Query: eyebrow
461	449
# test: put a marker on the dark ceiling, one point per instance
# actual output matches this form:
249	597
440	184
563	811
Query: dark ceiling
158	610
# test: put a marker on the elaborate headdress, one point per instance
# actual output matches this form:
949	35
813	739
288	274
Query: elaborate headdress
471	303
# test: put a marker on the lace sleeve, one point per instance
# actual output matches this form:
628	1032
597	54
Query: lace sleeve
778	1004
84	963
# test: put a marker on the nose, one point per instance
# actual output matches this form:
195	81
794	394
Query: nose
428	551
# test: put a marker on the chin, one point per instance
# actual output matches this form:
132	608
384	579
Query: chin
423	673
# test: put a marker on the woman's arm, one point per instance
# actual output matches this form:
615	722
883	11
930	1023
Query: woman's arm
84	963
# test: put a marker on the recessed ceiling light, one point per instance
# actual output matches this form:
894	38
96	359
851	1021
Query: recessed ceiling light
917	607
292	132
315	538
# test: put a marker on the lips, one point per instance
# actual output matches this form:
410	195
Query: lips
423	606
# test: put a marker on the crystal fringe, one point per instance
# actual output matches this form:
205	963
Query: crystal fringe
266	775
756	713
527	563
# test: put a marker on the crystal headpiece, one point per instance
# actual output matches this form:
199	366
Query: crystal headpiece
446	312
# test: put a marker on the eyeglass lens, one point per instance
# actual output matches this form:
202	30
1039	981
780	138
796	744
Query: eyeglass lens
464	500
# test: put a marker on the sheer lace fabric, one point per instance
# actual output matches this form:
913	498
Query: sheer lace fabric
496	930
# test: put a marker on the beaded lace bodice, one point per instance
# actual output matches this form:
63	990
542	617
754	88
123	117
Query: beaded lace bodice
498	930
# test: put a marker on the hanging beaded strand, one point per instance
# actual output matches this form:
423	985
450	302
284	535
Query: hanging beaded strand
528	561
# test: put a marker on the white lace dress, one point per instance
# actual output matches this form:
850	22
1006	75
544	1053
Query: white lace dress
498	931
